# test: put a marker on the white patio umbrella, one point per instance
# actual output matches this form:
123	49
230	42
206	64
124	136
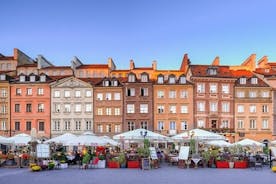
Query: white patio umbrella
87	139
62	139
20	139
5	140
140	134
110	141
249	142
219	143
273	142
198	134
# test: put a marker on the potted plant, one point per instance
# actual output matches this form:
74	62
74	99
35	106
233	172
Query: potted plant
113	163
85	160
122	160
102	161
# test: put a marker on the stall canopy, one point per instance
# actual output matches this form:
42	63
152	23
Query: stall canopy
219	143
87	139
198	134
5	140
62	139
140	134
20	139
110	141
249	142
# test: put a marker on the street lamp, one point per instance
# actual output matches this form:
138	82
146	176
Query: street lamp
143	134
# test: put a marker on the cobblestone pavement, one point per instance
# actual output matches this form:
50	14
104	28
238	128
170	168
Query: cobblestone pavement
164	175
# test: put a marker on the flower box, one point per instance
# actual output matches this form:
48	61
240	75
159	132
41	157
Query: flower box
240	164
222	164
133	164
113	164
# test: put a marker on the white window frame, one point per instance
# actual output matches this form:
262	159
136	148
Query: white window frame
130	108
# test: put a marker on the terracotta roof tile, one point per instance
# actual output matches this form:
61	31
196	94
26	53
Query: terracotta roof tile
7	58
202	71
93	66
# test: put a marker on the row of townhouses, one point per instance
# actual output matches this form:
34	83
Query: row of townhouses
235	101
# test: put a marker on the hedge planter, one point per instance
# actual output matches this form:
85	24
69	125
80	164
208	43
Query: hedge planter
133	164
113	164
240	164
222	164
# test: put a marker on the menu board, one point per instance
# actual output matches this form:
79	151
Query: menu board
43	151
153	154
184	153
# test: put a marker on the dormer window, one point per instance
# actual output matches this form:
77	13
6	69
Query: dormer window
131	78
22	78
267	70
160	79
182	80
172	79
32	78
212	71
144	78
106	83
243	80
114	83
2	77
254	80
43	78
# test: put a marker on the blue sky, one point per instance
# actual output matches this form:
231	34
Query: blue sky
142	30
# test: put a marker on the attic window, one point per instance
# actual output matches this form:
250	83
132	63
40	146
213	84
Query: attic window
182	80
242	80
22	78
160	80
106	83
42	78
32	78
131	78
2	77
144	78
212	71
254	80
171	80
114	83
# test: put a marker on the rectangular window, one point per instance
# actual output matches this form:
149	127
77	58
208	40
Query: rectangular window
240	94
78	94
201	88
40	91
252	124
213	88
78	125
242	80
67	108
88	125
88	107
200	123
130	108
131	92
117	96
252	108
143	108
213	106
99	96
161	125
3	125
172	125
67	125
17	126
252	94
144	92
200	106
160	94
40	107
131	125
77	107
100	128
184	125
224	124
184	109
100	111
57	107
4	93
17	108
88	93
183	94
56	94
41	126
108	128
117	111
108	111
66	94
160	109
117	128
56	125
265	124
172	109
240	108
240	124
28	126
265	94
28	107
265	108
108	96
172	94
29	91
225	107
225	89
18	92
144	125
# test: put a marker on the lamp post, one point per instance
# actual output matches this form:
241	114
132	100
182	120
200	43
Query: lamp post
143	134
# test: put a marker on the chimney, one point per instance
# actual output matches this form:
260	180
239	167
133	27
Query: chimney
154	65
131	64
216	61
250	62
185	63
263	62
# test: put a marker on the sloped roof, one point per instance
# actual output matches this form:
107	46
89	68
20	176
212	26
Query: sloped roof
202	71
